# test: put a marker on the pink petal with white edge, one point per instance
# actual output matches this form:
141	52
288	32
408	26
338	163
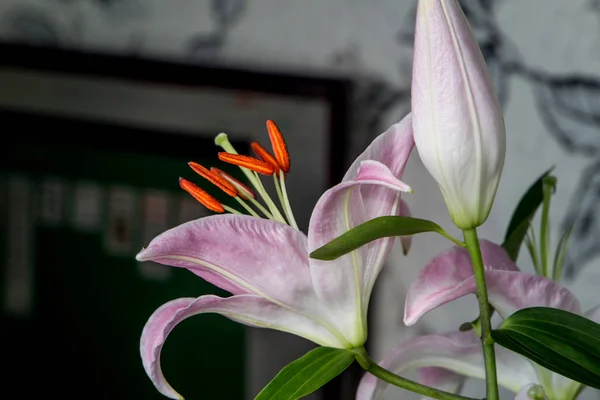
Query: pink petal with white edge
340	209
240	254
449	276
392	148
458	352
375	171
248	309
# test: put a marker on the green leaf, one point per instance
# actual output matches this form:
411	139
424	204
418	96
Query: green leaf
374	229
558	340
307	374
522	216
560	254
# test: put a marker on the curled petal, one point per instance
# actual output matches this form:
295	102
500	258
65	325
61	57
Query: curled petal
450	276
240	254
458	352
375	171
392	148
445	278
248	309
344	283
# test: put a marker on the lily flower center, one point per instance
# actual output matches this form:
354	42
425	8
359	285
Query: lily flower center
276	164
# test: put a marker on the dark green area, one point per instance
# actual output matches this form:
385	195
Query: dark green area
90	306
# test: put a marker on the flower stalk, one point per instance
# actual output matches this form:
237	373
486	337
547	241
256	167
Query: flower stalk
370	366
487	343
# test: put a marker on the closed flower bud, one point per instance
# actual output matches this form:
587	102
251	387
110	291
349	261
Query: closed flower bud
457	120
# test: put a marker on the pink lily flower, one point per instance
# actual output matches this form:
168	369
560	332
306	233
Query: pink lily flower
264	263
446	360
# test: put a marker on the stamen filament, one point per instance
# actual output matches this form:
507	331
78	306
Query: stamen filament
244	191
222	141
247	207
261	208
285	202
260	188
232	210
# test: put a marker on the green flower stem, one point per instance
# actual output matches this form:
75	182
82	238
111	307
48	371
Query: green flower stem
370	366
485	316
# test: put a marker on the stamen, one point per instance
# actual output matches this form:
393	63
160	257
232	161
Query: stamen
204	198
264	155
244	191
279	147
274	214
215	179
285	202
251	163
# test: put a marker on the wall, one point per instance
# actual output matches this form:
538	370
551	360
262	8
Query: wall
544	57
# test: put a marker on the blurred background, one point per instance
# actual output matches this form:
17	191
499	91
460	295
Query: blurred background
103	102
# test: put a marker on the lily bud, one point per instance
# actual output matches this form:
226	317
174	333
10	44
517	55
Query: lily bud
457	120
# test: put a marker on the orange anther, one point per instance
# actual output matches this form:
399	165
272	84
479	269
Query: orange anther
264	155
215	179
243	190
251	163
279	146
204	198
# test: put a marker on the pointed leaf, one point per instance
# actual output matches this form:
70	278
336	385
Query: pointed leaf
374	229
522	216
307	374
563	342
560	254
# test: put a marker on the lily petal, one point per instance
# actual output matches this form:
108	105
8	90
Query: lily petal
341	283
441	379
392	148
240	254
458	352
445	277
449	276
248	309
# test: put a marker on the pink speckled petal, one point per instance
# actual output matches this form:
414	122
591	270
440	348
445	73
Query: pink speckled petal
374	192
449	276
248	309
240	254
